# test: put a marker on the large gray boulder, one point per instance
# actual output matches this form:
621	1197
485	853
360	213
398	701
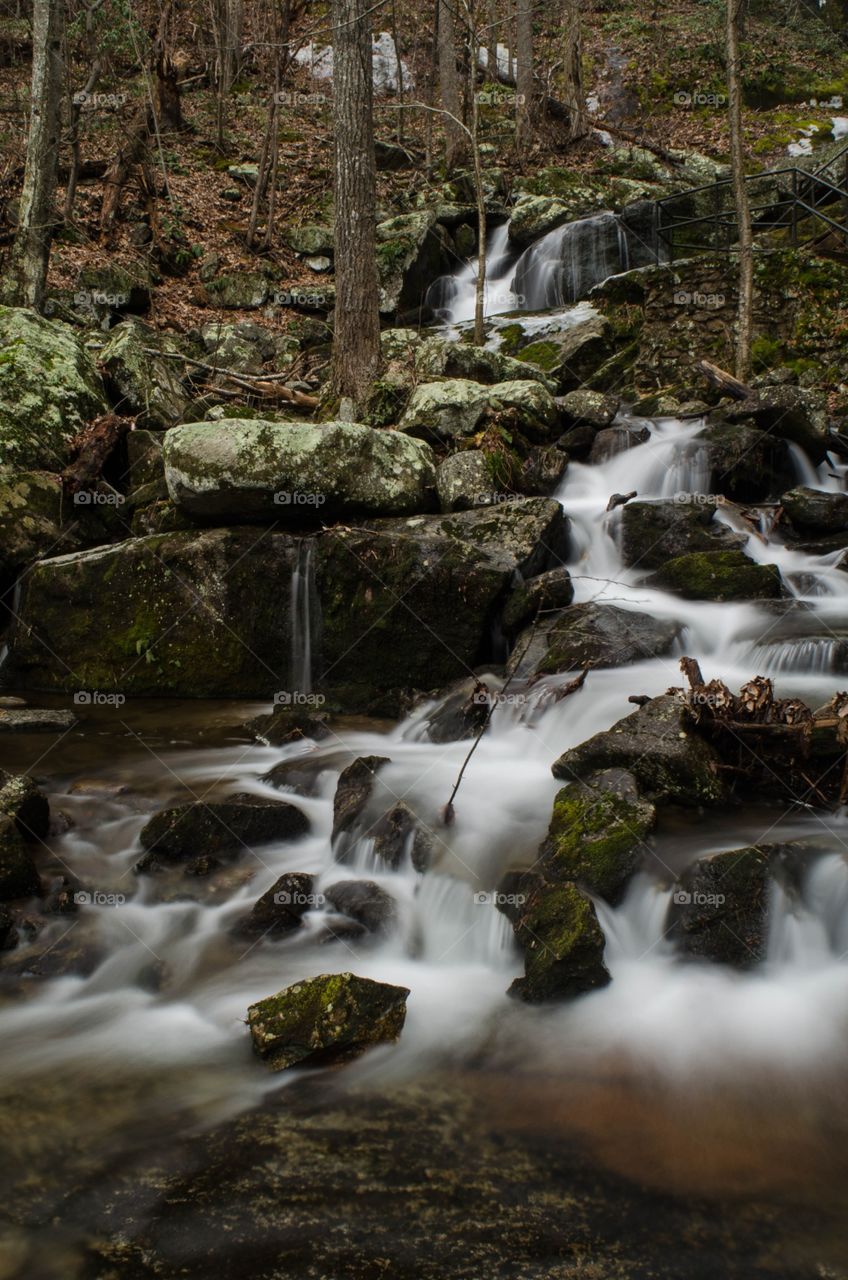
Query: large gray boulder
247	470
591	634
440	411
49	390
141	379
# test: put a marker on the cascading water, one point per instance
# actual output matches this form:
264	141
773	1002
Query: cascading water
302	608
453	298
566	264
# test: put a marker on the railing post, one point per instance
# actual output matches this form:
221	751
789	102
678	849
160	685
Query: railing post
793	233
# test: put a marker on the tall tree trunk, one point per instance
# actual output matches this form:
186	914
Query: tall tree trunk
471	16
169	102
31	251
227	19
524	75
740	195
356	346
455	138
574	94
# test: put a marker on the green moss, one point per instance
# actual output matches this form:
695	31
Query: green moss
596	837
544	355
563	945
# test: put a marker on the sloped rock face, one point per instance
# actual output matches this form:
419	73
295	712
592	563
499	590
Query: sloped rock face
168	614
203	833
592	634
654	532
719	575
719	909
411	253
563	945
329	1018
49	389
235	470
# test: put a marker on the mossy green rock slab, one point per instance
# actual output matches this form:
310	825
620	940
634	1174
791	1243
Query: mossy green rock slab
719	575
324	1019
199	614
563	945
49	389
248	470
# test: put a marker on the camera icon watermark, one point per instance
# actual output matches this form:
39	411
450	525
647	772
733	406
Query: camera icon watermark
309	299
94	698
310	901
287	98
684	898
295	498
99	101
92	498
494	898
700	98
709	301
297	698
100	298
97	898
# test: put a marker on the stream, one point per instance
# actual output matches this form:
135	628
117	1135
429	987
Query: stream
689	1078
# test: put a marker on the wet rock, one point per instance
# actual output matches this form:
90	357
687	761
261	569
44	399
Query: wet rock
398	832
23	801
463	481
282	908
202	834
719	908
654	532
571	356
8	930
289	724
353	792
598	635
614	440
19	876
719	575
365	903
242	470
563	945
302	774
326	1019
812	511
597	834
34	721
411	254
439	411
746	464
788	412
173	600
540	594
576	441
459	714
140	379
657	744
588	408
49	389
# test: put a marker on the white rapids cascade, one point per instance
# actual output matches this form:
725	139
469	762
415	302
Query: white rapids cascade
451	946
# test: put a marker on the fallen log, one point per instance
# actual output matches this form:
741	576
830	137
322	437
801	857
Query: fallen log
92	447
724	382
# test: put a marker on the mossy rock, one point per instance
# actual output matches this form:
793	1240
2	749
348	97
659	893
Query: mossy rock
812	511
49	390
326	1019
654	532
563	945
719	910
601	635
141	383
597	833
239	291
719	575
19	876
746	464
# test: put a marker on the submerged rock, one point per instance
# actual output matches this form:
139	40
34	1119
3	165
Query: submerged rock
719	575
49	390
719	909
31	720
296	472
203	833
597	833
597	635
364	902
653	533
657	744
563	945
330	1018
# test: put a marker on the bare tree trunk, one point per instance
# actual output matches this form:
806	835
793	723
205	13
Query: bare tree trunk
356	346
431	91
740	195
480	290
77	103
226	27
574	94
31	251
169	102
524	76
455	138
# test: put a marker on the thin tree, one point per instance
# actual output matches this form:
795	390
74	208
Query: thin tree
449	84
30	256
524	75
356	346
574	93
745	316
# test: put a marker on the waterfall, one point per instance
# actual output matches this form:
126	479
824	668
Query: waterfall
13	610
453	298
567	263
301	613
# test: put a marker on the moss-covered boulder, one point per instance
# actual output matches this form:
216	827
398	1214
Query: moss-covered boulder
440	411
597	834
49	389
719	908
411	254
657	744
571	356
202	833
654	532
464	480
535	216
811	511
168	614
588	408
745	463
440	358
112	288
599	635
30	518
310	239
719	575
140	378
239	291
242	470
563	945
326	1019
23	801
525	535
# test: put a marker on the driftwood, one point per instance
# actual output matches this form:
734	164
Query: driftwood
724	382
619	499
92	448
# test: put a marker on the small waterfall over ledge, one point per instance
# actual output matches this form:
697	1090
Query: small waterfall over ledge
302	602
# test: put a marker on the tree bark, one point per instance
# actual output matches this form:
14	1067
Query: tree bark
480	290
31	250
455	139
574	94
356	346
744	322
524	75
